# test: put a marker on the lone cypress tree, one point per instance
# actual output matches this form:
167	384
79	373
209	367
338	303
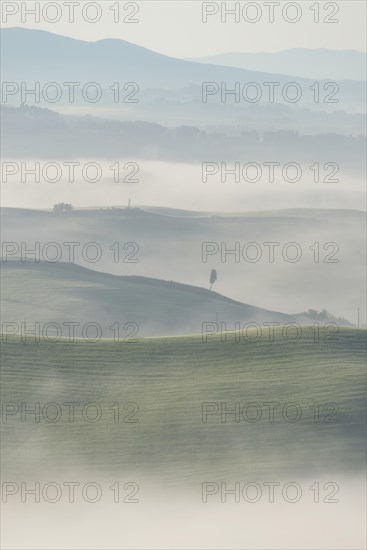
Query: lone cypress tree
213	277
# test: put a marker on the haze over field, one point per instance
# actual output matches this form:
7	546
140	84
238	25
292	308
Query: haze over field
212	525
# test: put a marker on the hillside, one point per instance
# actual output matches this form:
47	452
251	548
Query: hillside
171	243
63	292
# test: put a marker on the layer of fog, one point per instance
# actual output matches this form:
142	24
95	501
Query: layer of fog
167	518
181	186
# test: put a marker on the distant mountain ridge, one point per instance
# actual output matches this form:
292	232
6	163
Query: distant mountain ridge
39	56
44	56
319	63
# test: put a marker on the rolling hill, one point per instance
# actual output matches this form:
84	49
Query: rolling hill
171	242
64	292
168	380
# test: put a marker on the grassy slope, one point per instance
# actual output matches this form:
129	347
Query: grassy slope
169	379
45	292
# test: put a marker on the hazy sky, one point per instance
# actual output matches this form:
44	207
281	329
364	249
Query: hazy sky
176	28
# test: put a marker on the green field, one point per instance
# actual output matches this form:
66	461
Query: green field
169	379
